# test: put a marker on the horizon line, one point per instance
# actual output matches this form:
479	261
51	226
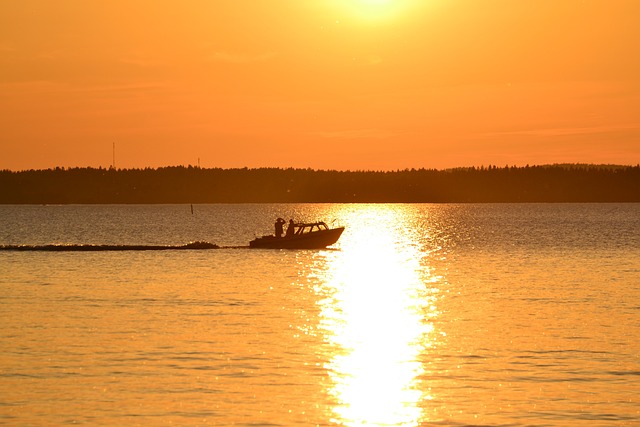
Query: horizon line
408	169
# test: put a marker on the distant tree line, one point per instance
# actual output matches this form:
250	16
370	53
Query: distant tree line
180	184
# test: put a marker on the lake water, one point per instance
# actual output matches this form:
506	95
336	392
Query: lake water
442	315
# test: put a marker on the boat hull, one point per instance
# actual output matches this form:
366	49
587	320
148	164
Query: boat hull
313	240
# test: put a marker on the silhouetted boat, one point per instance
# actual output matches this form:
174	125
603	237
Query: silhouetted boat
315	235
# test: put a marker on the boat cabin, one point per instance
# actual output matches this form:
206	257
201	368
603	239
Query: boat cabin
303	228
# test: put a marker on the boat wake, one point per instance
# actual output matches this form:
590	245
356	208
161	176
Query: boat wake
89	248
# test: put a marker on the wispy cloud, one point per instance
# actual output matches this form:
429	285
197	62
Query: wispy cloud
6	47
140	61
241	58
374	60
358	134
124	88
567	131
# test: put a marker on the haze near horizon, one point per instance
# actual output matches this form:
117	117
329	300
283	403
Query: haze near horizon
334	84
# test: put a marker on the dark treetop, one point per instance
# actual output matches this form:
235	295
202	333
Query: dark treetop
556	183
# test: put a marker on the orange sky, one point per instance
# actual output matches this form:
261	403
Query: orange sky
326	84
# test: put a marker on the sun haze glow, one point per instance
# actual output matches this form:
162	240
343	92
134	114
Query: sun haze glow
376	11
375	84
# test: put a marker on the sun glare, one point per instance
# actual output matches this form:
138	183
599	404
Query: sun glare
375	10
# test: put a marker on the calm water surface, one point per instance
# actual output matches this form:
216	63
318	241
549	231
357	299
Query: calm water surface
443	315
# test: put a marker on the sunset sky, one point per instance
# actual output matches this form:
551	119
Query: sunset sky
325	84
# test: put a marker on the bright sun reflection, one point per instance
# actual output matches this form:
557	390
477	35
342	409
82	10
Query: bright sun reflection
374	313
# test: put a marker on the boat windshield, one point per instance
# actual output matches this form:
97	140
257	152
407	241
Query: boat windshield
303	228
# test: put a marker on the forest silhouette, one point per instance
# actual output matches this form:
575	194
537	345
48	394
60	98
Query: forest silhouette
189	184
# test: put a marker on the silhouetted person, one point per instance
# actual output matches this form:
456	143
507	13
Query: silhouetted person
279	227
291	228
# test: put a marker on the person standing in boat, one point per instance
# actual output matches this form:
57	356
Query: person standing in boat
279	227
291	228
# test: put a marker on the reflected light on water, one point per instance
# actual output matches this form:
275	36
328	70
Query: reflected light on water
375	311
